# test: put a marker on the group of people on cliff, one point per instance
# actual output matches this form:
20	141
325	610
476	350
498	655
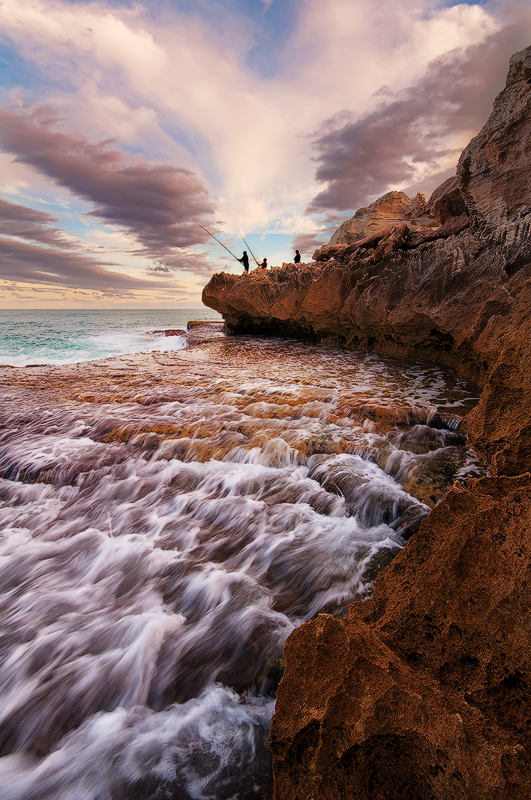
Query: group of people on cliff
245	261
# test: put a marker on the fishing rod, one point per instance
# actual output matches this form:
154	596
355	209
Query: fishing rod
241	237
217	240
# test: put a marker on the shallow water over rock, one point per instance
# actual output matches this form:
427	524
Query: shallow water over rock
166	520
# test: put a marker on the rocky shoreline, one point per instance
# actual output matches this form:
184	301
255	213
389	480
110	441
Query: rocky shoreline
423	691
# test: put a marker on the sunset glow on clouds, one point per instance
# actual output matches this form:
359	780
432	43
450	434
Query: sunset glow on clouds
123	125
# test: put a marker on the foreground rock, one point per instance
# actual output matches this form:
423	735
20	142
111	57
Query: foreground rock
423	692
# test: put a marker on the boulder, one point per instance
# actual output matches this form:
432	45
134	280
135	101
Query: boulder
171	332
329	251
447	201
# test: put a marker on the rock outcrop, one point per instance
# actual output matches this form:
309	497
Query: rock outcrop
423	692
394	208
494	168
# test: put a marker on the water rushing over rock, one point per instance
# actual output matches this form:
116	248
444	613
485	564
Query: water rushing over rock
167	520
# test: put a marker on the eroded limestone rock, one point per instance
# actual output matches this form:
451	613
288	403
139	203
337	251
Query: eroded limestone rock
423	692
495	168
394	208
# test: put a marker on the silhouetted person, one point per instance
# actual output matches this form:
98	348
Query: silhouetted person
264	264
245	261
297	259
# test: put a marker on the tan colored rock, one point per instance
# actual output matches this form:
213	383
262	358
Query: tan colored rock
329	251
451	227
423	692
394	208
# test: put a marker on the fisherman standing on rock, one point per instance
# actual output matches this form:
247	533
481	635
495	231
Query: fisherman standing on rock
245	261
297	259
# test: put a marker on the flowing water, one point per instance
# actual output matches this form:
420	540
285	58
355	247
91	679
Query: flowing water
166	520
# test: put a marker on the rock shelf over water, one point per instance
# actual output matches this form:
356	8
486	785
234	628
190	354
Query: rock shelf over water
424	691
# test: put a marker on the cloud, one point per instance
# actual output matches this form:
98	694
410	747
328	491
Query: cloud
163	79
307	243
27	263
158	203
27	223
197	89
196	263
425	125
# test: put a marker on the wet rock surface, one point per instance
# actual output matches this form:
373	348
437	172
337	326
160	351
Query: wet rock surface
423	691
166	519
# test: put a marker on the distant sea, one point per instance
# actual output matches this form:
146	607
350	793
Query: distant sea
71	336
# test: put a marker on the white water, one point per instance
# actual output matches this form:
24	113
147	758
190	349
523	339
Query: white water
164	528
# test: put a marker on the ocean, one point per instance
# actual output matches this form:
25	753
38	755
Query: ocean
73	336
167	518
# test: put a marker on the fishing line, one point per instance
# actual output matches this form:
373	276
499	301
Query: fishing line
241	237
217	240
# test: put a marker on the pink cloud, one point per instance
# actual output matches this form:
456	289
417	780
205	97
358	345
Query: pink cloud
28	263
359	159
27	223
158	203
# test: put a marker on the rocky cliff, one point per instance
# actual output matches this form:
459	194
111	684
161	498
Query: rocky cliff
424	691
394	208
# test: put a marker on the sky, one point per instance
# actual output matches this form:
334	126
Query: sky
126	126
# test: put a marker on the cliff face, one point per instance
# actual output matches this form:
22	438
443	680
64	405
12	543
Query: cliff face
423	692
494	168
